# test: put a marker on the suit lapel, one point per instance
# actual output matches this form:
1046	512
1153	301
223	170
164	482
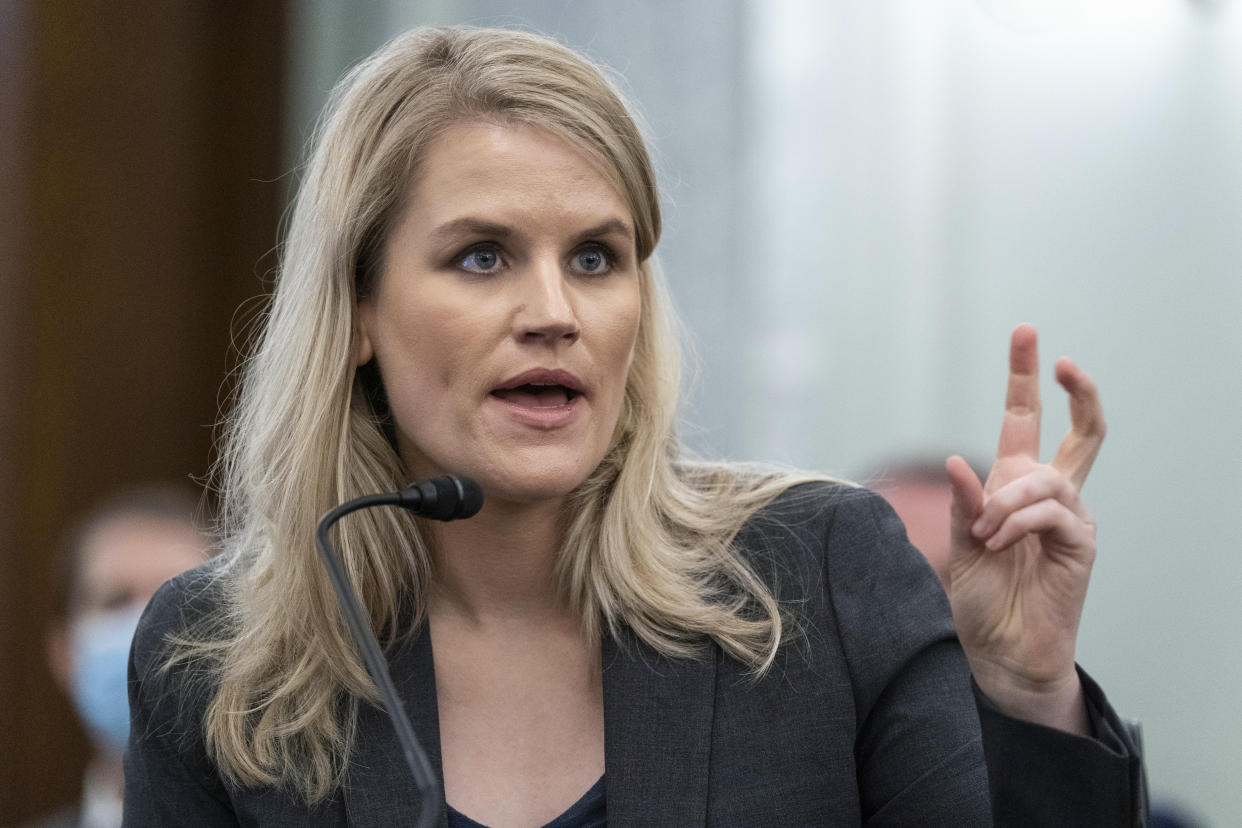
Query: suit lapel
657	734
379	790
657	737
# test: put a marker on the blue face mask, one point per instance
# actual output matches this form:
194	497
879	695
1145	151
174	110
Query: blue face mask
101	673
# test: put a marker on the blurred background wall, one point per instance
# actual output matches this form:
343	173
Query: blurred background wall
863	197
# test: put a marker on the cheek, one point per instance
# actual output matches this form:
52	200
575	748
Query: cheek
620	330
616	347
421	346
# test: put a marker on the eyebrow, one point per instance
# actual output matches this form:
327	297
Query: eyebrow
608	228
469	226
473	226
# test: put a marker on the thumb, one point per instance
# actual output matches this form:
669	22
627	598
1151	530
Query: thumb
967	503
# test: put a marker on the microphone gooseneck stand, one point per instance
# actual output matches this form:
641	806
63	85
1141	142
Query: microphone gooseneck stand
441	498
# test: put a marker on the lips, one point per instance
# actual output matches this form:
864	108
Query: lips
540	388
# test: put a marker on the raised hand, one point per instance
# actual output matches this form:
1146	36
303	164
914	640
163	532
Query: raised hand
1022	547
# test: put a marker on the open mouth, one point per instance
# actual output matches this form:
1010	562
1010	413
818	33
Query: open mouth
533	395
540	389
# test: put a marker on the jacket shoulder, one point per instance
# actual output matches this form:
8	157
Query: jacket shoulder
169	688
187	604
831	532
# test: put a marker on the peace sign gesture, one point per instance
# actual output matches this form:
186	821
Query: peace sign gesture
1022	546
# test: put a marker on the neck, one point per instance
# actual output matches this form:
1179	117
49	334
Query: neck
500	564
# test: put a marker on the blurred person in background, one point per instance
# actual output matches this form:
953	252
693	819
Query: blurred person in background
920	493
113	562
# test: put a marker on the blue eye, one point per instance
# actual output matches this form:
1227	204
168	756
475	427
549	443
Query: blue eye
480	260
594	260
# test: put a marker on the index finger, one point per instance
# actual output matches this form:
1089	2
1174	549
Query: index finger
1019	435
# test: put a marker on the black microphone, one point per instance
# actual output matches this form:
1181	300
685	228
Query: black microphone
440	498
443	498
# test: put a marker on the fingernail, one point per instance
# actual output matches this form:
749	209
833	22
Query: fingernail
977	529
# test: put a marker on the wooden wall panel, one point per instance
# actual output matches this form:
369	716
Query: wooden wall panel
15	74
145	197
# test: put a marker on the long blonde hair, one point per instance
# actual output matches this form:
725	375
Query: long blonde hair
649	534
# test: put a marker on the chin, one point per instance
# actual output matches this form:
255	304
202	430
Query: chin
532	484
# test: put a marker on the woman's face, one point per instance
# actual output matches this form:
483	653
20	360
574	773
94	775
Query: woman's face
505	316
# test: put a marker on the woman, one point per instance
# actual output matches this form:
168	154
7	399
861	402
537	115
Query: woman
469	287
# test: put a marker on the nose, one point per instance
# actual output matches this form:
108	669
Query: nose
546	309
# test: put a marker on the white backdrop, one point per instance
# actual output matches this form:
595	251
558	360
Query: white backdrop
865	196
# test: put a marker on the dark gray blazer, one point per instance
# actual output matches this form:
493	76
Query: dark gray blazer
867	717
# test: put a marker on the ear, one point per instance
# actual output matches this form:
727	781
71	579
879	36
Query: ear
364	351
59	653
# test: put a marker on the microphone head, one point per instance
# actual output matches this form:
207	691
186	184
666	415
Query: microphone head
471	494
446	498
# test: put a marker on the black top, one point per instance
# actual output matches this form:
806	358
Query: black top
587	812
